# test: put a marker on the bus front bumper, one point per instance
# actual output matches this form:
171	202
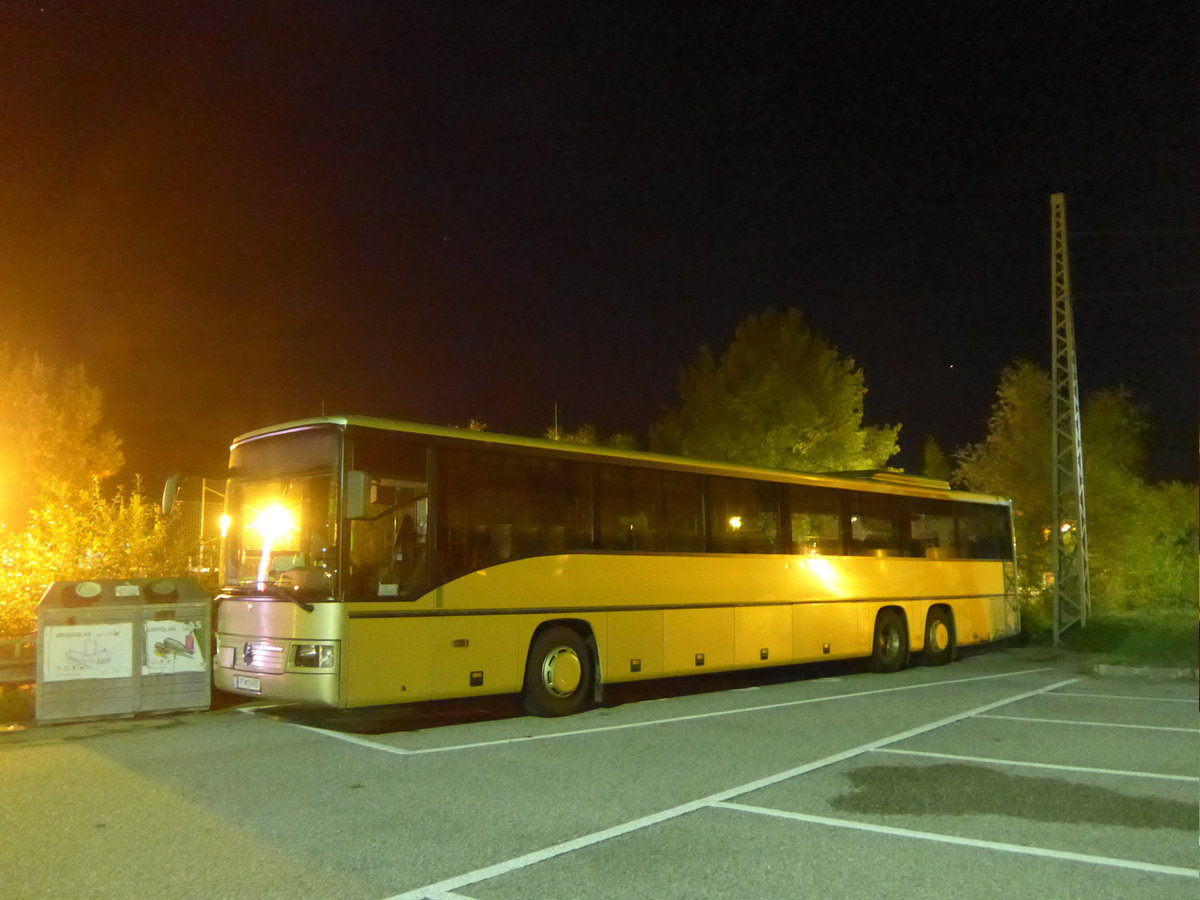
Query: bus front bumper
253	667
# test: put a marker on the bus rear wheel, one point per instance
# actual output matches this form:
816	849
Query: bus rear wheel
558	673
939	638
889	651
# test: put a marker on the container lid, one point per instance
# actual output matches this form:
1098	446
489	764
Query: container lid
122	592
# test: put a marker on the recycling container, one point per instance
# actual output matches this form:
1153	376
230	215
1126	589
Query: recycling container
117	647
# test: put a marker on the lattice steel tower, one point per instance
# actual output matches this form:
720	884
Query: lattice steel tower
1072	593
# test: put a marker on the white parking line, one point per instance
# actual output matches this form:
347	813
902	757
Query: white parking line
1123	697
596	837
363	742
1096	724
355	739
966	842
340	735
1033	765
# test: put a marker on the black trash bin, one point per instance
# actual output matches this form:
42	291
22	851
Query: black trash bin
117	647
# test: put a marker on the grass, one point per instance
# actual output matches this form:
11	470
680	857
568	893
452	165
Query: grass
16	705
1139	638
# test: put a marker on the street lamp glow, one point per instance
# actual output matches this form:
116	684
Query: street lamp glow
273	523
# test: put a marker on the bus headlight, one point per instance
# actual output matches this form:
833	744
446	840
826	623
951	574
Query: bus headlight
313	656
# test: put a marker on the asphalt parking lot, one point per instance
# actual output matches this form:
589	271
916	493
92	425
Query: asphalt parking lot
1009	774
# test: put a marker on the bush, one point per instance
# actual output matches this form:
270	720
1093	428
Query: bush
1142	638
77	536
1037	617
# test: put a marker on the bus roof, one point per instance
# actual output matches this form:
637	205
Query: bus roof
886	482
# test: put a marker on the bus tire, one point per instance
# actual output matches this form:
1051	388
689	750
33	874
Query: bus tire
558	673
939	638
889	650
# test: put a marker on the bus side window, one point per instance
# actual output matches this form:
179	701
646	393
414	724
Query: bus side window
816	520
498	507
872	525
500	543
930	528
388	530
630	506
388	545
743	515
554	511
984	531
683	512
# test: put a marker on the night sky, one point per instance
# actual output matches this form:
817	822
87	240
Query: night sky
236	213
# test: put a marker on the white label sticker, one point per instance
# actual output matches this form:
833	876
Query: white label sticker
72	652
172	647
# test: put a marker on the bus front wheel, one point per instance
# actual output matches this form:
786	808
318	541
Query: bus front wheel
558	673
889	651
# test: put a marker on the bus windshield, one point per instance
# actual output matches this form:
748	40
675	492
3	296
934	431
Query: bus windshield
282	515
281	532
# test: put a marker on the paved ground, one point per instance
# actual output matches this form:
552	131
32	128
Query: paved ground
1007	774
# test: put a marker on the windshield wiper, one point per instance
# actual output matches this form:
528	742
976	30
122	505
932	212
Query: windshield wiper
270	589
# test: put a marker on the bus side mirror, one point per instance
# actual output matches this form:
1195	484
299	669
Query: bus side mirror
357	495
170	490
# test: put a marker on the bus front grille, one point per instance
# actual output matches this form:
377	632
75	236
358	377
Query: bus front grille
261	656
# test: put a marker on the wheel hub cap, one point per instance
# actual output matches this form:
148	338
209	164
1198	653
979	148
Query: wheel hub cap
939	636
562	671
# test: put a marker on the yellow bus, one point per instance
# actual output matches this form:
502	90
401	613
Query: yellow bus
370	562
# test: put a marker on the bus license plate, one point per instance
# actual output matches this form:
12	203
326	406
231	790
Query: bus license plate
247	683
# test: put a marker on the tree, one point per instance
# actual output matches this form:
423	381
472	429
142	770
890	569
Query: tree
1167	533
50	436
587	434
57	523
1140	537
1014	461
621	440
584	434
934	461
781	396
